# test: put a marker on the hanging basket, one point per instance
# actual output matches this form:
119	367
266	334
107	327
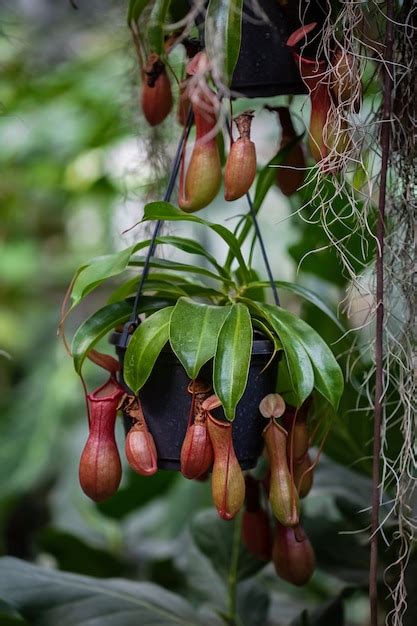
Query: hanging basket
166	404
265	66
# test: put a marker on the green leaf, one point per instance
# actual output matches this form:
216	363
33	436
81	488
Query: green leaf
214	537
265	330
328	377
179	267
156	24
166	211
191	247
9	616
193	333
253	289
172	289
104	320
50	597
253	602
135	10
232	358
204	292
163	288
94	273
299	365
304	292
144	347
223	31
73	554
99	269
135	493
95	327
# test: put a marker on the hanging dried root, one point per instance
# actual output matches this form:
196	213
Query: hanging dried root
344	80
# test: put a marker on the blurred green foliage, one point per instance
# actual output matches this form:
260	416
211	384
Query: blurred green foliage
66	117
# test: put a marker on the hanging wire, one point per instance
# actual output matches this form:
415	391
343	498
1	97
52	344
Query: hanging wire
258	233
133	320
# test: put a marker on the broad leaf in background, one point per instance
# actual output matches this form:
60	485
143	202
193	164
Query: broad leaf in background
135	493
50	597
223	30
253	290
331	614
214	537
232	358
253	602
193	333
74	554
144	347
328	377
9	616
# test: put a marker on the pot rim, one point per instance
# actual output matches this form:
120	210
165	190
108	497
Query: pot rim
260	345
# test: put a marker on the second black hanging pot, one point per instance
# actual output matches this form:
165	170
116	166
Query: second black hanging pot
265	67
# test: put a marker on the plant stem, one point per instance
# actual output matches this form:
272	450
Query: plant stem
232	579
379	333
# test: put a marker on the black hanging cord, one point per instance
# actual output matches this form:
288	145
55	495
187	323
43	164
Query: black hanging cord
263	250
259	235
133	321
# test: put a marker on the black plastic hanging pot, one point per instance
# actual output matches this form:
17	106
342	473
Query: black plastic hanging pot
166	404
265	66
